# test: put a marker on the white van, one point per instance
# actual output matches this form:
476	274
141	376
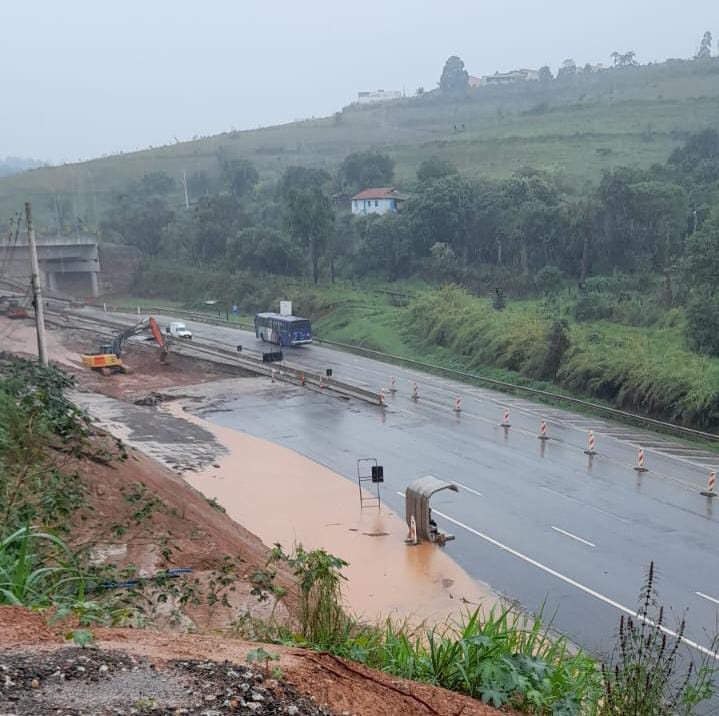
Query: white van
177	329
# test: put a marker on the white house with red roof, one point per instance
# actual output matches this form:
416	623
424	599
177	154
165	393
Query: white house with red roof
382	200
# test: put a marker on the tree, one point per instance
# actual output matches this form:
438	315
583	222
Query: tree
310	220
434	168
626	59
216	219
264	250
545	74
240	176
299	177
705	47
361	170
567	70
454	79
141	214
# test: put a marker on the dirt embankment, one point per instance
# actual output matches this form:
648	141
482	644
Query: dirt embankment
342	686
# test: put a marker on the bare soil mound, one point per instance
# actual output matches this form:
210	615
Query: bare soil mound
165	673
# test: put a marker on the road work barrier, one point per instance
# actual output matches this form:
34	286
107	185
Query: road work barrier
590	444
505	419
640	466
711	485
543	430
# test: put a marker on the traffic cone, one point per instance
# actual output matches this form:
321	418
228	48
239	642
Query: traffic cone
505	420
590	444
322	382
711	485
392	386
273	375
412	536
302	378
457	405
640	462
415	392
381	397
543	430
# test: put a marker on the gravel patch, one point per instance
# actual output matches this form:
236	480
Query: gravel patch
75	682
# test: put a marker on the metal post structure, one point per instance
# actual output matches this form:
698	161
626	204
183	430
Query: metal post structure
36	291
374	501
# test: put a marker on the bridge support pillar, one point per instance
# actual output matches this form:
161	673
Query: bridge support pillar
94	283
51	281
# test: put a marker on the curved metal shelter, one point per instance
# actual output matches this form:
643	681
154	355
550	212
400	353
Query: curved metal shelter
417	497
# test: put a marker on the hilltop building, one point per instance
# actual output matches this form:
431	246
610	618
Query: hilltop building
382	200
378	96
504	78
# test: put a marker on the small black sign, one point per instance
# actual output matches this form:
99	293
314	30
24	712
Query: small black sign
377	473
239	349
328	372
272	357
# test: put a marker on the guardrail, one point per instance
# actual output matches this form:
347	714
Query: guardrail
464	376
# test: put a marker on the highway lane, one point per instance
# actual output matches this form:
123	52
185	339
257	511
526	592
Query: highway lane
549	502
539	506
667	458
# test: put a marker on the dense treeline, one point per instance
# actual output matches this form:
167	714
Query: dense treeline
528	233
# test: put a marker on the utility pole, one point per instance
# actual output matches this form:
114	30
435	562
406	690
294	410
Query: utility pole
36	292
184	183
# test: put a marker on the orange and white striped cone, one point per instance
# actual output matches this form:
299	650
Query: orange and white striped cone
382	398
302	378
415	392
543	430
412	536
273	375
505	420
640	467
590	444
322	382
711	485
392	386
457	405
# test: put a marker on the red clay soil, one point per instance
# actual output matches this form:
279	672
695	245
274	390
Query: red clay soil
344	686
180	528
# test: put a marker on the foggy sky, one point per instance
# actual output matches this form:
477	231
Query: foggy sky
81	78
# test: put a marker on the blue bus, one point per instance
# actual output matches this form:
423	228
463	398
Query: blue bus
283	330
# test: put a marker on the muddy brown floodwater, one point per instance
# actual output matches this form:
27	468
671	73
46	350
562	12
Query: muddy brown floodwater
284	497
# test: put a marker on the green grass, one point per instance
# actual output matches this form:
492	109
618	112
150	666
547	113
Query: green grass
631	117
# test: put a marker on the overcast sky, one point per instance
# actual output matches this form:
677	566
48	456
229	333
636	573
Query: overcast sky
81	78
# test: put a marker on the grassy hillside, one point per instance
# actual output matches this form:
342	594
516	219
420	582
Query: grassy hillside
576	127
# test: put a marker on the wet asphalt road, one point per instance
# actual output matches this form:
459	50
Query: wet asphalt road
540	522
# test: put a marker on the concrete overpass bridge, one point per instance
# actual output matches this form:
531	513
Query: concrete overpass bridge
69	265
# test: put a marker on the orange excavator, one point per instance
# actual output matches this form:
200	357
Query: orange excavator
109	358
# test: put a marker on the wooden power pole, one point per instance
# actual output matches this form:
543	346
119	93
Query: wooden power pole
36	291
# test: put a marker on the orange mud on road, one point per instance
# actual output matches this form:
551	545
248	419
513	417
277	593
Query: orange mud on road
282	496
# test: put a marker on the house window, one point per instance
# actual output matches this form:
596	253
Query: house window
376	203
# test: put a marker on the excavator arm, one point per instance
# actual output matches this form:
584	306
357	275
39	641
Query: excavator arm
119	340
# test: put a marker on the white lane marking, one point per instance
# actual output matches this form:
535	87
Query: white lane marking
706	596
569	534
583	504
577	585
469	489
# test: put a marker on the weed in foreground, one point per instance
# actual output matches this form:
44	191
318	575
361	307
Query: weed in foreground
648	675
